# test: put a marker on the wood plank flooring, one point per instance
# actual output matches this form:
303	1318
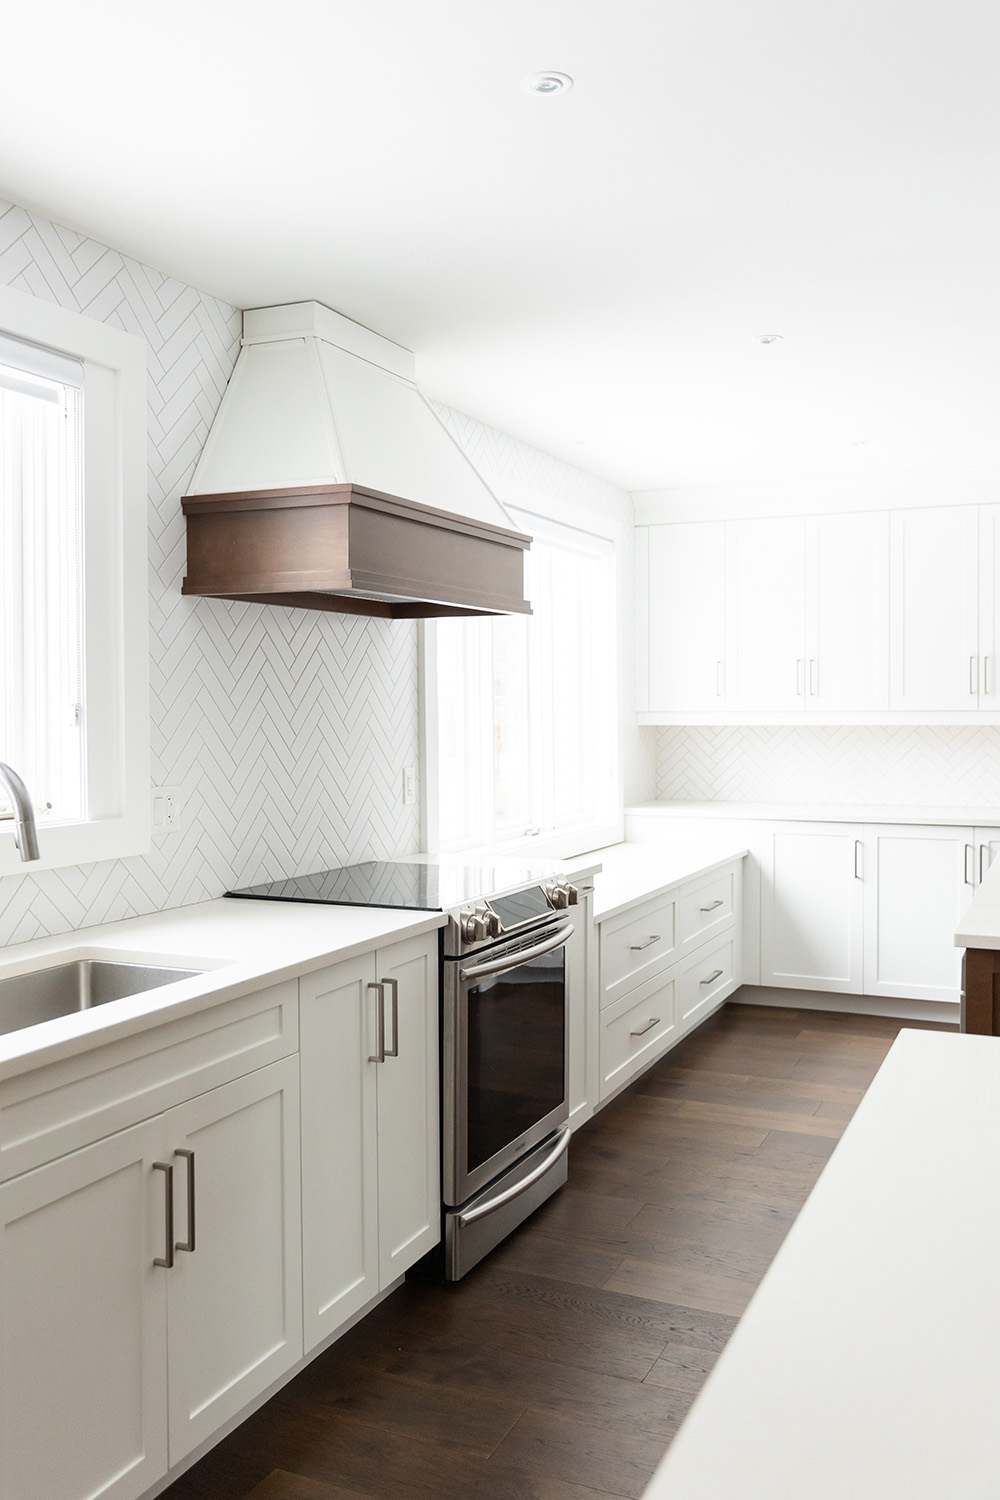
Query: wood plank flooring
561	1367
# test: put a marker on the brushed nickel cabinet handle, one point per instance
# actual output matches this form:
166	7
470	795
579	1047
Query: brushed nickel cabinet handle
972	675
393	984
859	850
969	854
982	852
653	1021
987	690
712	976
638	947
713	905
378	1056
167	1258
188	1244
812	677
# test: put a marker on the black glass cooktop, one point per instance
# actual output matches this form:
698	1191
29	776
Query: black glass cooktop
409	887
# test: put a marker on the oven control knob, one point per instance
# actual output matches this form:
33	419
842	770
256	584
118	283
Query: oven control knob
494	926
559	896
573	894
473	928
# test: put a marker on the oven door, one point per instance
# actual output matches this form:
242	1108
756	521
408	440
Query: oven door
505	1073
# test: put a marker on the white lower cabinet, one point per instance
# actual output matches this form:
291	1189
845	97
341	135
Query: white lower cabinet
918	882
665	962
370	1138
812	906
120	1350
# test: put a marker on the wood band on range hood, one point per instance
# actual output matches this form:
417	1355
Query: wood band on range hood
352	550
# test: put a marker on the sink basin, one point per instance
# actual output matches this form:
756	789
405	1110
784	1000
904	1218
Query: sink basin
27	999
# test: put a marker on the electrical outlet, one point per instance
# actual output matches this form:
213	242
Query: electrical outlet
166	809
409	785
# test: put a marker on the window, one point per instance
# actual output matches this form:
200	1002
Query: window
73	650
522	723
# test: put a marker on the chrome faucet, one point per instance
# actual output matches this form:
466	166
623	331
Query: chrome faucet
25	833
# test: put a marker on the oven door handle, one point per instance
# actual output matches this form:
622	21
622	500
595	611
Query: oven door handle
514	960
482	1209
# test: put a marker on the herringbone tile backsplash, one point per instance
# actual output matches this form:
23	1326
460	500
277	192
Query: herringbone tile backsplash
920	766
285	730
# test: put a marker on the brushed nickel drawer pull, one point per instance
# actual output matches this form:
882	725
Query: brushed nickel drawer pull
393	984
378	1056
638	947
167	1259
713	905
710	978
654	1021
188	1244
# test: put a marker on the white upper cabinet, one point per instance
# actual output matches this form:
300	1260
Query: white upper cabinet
765	610
865	617
989	606
847	612
687	582
934	588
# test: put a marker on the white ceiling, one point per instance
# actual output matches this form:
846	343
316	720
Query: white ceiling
590	272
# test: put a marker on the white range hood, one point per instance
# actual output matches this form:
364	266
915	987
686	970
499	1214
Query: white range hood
328	482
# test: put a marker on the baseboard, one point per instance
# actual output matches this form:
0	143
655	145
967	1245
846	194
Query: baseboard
854	1005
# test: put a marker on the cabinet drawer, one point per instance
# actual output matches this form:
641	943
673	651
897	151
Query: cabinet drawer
706	977
68	1104
636	1029
705	907
635	944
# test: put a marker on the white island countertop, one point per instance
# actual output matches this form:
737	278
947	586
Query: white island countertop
866	1366
242	946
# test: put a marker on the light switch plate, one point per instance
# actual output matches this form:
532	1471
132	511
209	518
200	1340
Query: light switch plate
409	785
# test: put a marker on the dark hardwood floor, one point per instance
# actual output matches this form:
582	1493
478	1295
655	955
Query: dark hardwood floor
561	1367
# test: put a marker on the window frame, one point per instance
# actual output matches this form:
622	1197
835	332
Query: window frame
115	655
557	843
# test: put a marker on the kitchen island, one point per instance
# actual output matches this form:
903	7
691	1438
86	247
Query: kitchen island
865	1365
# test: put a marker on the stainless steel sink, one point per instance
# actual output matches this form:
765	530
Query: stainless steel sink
27	999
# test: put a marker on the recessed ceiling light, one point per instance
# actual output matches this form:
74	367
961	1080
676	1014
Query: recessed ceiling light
770	338
547	84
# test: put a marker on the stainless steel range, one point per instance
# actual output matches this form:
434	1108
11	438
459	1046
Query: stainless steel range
504	1065
504	1001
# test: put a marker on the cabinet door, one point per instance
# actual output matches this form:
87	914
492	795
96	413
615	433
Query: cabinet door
83	1359
989	607
933	637
847	604
582	1010
812	906
987	849
765	621
687	581
409	1153
918	882
339	1146
234	1311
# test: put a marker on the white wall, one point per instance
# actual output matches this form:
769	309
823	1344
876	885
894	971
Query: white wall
286	730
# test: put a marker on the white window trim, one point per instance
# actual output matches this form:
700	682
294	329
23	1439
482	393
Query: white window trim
116	602
561	844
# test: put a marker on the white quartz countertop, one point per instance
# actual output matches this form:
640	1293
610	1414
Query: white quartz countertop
823	812
633	872
242	945
865	1367
980	926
